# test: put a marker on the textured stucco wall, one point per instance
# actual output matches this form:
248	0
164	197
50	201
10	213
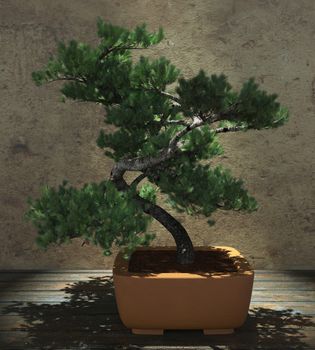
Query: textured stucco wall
43	141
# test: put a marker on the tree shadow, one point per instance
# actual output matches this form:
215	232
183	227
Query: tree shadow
88	319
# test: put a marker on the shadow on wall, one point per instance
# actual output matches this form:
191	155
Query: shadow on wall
89	319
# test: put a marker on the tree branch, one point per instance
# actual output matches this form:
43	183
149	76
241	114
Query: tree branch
106	52
197	122
138	179
185	251
142	163
69	78
172	97
230	114
176	122
228	129
160	92
86	241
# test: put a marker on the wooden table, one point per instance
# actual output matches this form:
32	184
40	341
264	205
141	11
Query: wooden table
76	309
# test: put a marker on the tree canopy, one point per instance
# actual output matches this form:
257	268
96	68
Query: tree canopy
164	135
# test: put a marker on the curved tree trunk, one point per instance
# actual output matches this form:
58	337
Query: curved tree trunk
185	249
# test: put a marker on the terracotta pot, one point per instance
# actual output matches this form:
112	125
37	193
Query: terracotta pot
217	303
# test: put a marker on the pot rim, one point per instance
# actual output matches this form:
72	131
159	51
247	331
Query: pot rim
120	267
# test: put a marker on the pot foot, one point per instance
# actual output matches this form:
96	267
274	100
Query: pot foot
218	331
147	331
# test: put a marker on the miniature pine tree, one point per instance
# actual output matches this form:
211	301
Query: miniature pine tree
165	136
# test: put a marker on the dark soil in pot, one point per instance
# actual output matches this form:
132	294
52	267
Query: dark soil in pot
158	261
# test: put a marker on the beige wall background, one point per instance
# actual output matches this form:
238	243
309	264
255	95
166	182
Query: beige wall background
44	141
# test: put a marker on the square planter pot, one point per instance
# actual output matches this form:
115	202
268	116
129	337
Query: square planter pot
217	303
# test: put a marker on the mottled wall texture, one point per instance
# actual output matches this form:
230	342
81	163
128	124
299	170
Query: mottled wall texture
44	141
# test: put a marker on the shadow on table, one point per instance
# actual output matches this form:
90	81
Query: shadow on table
89	319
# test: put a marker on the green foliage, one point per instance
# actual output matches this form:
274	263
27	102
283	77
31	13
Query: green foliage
101	74
148	192
202	93
202	142
280	118
155	143
231	123
87	79
137	105
113	35
255	108
131	93
157	74
123	142
198	189
138	110
141	118
98	213
258	109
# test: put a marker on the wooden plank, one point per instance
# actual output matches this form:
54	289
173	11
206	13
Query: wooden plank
61	322
242	339
54	309
273	323
113	322
260	271
294	307
288	271
282	285
62	296
310	273
280	276
144	347
54	277
284	278
282	295
158	347
25	285
87	277
58	286
108	309
274	295
63	271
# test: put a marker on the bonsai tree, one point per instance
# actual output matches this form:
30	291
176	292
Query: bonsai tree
167	137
